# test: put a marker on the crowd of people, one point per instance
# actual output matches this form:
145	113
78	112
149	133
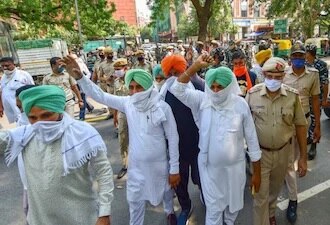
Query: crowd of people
199	113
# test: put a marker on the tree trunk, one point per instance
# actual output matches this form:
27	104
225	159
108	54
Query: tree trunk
202	25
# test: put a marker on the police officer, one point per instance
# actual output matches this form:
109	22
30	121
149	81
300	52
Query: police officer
322	67
119	118
306	81
100	59
106	74
142	62
276	109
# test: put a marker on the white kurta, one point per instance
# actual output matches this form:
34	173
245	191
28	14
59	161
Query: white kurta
9	85
57	199
222	155
149	161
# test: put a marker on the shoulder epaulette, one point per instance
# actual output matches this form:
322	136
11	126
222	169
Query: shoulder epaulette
312	69
256	88
291	89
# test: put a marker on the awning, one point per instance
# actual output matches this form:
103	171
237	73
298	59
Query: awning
255	34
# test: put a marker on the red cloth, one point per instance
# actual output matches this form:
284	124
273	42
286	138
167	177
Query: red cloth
177	63
240	71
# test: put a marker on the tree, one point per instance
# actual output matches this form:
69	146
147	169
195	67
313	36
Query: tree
96	15
219	23
204	11
305	14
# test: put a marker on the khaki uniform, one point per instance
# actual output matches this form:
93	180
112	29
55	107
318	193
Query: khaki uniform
121	90
146	66
274	121
96	68
307	84
106	72
64	81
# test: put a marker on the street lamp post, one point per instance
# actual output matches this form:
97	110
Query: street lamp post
78	22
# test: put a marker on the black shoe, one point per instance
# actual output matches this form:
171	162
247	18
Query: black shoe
122	173
312	152
309	141
291	212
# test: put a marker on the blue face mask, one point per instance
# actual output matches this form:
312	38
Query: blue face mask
298	63
60	69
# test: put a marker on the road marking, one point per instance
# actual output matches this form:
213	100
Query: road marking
306	194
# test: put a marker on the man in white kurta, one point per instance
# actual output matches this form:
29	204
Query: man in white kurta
58	152
224	121
12	79
153	169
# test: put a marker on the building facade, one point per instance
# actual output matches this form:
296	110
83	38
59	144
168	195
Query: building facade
250	17
126	11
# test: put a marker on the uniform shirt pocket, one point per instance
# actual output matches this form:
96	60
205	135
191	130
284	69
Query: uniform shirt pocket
287	116
259	114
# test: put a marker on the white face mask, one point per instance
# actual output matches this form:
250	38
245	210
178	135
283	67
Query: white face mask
272	84
217	98
159	85
48	131
120	73
9	72
141	99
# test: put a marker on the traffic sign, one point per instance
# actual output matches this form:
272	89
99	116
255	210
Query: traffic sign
281	26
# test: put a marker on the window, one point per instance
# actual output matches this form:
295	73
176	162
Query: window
244	8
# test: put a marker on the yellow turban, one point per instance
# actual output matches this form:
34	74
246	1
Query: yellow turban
263	55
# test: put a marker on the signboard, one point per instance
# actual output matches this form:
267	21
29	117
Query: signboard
281	26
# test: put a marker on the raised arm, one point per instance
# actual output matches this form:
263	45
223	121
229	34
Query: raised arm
91	89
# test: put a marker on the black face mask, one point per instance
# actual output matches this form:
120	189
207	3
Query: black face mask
140	58
221	58
101	56
110	57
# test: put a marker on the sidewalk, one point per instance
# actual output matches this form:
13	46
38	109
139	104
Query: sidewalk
99	113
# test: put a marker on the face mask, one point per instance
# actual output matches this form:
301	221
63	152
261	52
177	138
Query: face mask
140	58
9	72
221	58
101	56
110	57
120	73
272	84
239	70
48	131
298	63
60	69
159	85
141	99
217	98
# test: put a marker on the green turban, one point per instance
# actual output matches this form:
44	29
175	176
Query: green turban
157	70
140	76
221	75
48	97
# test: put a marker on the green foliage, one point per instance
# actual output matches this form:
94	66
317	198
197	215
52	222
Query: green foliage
39	17
211	17
305	14
146	32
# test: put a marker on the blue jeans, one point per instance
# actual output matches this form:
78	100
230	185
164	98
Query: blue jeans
82	112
